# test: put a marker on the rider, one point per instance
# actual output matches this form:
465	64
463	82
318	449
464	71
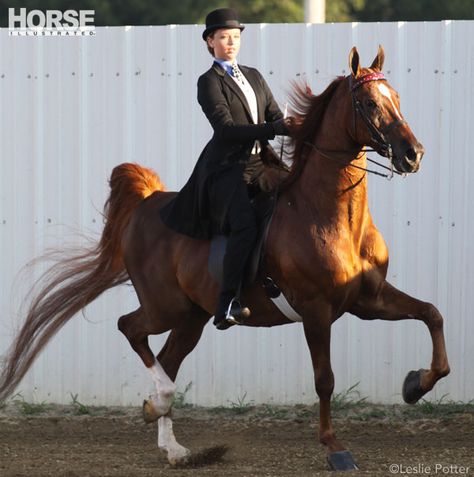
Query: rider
244	115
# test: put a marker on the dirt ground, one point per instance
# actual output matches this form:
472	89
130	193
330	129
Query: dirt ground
116	442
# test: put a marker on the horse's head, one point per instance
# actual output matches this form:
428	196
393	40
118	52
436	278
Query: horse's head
378	121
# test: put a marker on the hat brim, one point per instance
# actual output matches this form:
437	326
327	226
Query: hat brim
228	25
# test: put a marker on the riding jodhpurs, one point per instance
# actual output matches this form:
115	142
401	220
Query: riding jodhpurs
242	222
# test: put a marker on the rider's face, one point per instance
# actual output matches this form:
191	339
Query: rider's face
226	43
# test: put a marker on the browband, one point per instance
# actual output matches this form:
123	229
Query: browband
367	78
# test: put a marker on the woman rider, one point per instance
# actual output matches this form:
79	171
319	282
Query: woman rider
244	115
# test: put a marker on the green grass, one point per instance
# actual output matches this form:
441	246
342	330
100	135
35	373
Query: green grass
307	412
241	406
347	399
79	408
370	414
274	412
28	408
440	408
347	404
179	398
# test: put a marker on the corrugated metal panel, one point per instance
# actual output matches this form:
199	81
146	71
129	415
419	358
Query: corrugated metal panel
73	108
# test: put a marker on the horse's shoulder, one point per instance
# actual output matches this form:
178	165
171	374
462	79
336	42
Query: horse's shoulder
373	243
374	254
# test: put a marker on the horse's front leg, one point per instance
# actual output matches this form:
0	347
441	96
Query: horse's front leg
392	304
318	336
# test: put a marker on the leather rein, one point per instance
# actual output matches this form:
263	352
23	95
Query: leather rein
378	136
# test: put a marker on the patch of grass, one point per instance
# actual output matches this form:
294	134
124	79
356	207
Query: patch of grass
179	398
429	407
28	408
79	408
220	409
347	399
273	412
371	413
308	412
241	406
439	408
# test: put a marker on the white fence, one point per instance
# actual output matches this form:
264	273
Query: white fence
73	108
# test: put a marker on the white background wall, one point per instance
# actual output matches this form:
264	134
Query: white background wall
73	108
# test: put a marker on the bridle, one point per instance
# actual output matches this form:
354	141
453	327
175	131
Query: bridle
378	136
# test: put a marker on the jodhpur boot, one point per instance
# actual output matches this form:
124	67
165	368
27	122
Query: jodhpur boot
230	313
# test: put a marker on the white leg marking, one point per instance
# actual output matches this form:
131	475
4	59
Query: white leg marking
386	92
165	389
167	441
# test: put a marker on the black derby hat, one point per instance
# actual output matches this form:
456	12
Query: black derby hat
221	18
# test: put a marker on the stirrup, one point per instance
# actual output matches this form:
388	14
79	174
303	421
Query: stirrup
229	317
237	315
234	315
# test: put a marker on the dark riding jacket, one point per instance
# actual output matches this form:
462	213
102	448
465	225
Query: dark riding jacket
200	207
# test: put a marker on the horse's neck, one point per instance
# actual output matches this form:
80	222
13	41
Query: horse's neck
334	190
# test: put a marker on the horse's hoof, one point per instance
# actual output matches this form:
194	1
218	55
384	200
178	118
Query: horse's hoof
412	390
149	412
342	461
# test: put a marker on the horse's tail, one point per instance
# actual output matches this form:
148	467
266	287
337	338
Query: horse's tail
74	282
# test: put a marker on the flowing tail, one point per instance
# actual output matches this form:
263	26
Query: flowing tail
74	282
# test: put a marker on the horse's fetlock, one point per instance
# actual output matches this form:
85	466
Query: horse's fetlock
169	391
327	437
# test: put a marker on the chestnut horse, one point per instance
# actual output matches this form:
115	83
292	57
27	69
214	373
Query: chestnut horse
337	261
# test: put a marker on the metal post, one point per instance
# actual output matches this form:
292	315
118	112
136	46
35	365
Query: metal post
315	11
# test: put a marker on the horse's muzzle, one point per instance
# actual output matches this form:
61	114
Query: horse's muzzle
410	159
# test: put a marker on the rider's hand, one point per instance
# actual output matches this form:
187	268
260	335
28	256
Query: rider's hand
280	126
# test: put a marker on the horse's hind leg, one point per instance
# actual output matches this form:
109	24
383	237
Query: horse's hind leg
164	368
180	343
392	304
134	328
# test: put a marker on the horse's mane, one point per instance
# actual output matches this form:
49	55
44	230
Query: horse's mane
308	111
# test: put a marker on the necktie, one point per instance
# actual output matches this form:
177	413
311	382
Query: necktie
237	74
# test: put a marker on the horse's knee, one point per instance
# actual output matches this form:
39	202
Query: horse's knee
325	384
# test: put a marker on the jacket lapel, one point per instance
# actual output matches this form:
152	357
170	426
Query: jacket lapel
233	85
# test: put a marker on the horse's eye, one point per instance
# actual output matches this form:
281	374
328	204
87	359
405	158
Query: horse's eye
371	104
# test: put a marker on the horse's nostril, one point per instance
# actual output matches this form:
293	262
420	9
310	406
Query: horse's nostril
411	154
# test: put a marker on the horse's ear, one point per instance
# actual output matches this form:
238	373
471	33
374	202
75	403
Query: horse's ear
377	64
354	62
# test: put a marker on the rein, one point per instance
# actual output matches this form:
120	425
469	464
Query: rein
328	154
378	135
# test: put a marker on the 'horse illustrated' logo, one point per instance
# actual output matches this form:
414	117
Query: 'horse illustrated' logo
51	22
